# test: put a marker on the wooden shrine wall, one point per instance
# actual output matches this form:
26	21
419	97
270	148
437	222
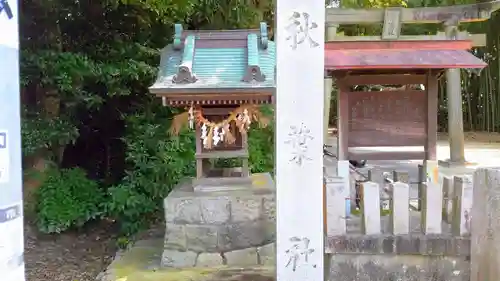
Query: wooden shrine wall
387	118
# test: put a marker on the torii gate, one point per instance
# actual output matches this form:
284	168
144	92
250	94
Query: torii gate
300	120
393	18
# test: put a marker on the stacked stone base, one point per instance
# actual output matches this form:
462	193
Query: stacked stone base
252	256
226	227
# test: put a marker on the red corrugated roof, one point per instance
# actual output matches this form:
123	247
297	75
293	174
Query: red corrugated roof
400	55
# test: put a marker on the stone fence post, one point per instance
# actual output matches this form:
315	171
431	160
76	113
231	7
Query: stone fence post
485	240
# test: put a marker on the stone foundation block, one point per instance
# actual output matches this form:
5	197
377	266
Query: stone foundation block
246	208
242	257
267	254
175	237
243	235
182	210
173	258
209	260
215	210
201	238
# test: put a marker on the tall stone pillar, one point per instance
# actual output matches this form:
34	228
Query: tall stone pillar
11	194
454	104
299	137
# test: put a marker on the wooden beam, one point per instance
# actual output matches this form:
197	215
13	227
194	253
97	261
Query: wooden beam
478	40
384	155
384	79
220	111
400	92
460	13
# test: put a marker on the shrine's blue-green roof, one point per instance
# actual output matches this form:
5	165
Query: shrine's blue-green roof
217	61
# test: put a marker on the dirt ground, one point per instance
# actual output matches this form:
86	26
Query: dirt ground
78	255
72	256
481	137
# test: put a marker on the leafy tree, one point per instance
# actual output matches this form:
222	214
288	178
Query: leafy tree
85	69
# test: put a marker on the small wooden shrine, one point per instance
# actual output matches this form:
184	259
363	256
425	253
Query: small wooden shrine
401	114
220	78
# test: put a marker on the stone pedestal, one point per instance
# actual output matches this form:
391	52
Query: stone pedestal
224	227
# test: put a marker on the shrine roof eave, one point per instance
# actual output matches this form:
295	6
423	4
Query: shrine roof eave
166	91
398	55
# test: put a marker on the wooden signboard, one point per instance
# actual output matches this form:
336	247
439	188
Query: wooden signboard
299	140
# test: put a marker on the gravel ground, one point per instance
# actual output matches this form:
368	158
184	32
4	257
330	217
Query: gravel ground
71	256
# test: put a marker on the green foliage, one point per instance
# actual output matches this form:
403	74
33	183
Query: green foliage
42	133
76	77
157	162
261	149
79	59
67	198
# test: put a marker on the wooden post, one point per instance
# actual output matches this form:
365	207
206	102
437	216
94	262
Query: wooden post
430	163
342	122
343	167
328	95
199	150
245	171
300	40
420	191
485	240
331	32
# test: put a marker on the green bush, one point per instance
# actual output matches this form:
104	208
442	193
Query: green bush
261	149
156	163
67	198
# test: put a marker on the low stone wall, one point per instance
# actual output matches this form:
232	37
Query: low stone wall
218	228
405	258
